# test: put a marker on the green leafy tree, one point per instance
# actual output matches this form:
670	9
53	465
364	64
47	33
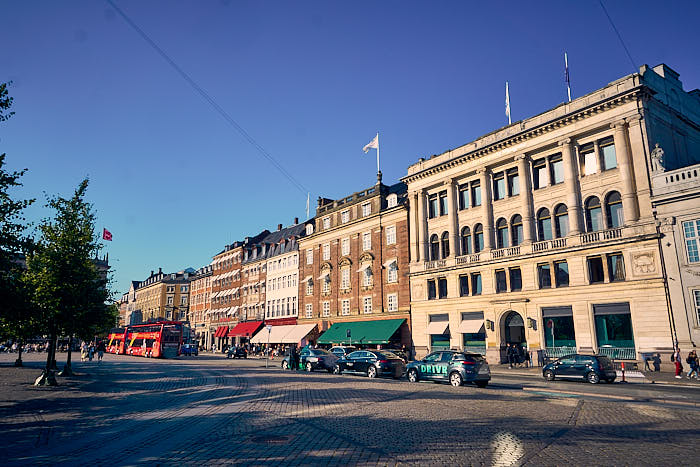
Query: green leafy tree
68	289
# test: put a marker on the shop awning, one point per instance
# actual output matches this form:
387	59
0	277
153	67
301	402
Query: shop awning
297	333
246	329
471	326
437	327
221	331
361	332
276	335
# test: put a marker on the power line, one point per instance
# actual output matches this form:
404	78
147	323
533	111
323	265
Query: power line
230	120
634	66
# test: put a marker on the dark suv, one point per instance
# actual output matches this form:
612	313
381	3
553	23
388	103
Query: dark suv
592	368
451	365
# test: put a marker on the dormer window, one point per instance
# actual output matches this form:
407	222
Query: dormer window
309	229
326	223
392	200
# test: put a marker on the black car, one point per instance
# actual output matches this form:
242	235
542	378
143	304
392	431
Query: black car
372	363
399	353
342	350
451	365
591	368
313	359
237	352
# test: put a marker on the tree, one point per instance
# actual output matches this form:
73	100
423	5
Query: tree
17	319
69	291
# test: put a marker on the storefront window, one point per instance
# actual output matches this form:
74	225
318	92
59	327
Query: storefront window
439	341
559	331
613	325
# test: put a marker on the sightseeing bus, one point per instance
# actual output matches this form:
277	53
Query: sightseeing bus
162	339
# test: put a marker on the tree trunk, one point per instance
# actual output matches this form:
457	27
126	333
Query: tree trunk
19	362
68	368
48	376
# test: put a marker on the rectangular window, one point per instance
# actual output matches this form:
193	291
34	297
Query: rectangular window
595	270
691	232
476	194
607	148
443	203
613	325
367	241
310	256
326	222
589	158
442	287
345	307
476	283
183	288
463	285
513	182
561	273
392	273
367	277
326	285
431	289
556	167
432	206
499	186
309	310
309	287
366	209
464	196
392	302
516	279
501	284
345	246
544	276
345	278
326	309
390	235
183	300
616	267
539	174
170	300
326	251
345	217
367	305
696	295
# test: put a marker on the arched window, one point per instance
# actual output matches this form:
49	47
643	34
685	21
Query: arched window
434	247
544	225
516	230
613	210
501	233
445	241
561	221
466	241
594	216
478	238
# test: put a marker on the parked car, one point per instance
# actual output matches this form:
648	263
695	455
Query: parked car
591	368
188	350
453	366
372	363
237	352
342	350
313	359
399	353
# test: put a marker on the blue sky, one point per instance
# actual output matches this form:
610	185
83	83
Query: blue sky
311	82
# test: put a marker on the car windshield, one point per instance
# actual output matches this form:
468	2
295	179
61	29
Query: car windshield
605	362
318	352
468	356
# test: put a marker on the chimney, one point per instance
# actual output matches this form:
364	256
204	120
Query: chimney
296	220
151	271
279	227
160	270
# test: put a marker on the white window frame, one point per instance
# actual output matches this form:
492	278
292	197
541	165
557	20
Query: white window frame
326	223
392	200
345	246
345	278
309	288
367	305
367	277
326	288
326	251
366	241
309	310
691	238
392	273
310	256
366	209
345	216
391	235
392	301
326	309
345	307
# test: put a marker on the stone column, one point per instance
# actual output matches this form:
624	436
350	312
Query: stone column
453	228
630	205
421	227
638	160
486	207
526	197
571	182
413	225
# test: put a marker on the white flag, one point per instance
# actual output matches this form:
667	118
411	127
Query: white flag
374	144
507	103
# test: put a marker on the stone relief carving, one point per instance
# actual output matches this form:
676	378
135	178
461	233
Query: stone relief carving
417	292
644	263
657	159
691	272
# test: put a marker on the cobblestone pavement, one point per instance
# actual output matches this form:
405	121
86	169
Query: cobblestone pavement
209	411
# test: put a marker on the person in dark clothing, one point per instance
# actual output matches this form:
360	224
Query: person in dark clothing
293	357
511	354
101	348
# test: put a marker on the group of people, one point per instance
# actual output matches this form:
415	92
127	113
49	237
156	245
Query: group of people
87	351
517	355
692	361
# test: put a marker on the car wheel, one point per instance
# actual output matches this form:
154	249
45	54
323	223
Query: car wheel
309	367
455	379
285	365
372	372
412	376
336	370
592	378
549	375
481	384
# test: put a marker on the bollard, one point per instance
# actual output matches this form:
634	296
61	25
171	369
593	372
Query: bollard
623	372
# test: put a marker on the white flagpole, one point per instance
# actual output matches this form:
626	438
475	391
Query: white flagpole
308	195
508	103
377	152
568	79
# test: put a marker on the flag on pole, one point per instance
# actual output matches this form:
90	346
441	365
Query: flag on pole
566	75
507	103
106	235
308	195
374	144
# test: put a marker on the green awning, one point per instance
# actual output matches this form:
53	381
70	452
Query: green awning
361	332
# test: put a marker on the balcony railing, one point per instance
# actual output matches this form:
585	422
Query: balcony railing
438	263
601	235
549	245
503	252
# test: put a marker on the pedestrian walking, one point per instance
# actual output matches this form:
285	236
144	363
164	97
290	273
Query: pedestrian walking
510	354
294	357
83	351
91	350
100	351
676	359
692	360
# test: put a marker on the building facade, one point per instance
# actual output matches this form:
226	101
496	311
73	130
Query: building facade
225	295
200	303
542	234
353	265
163	296
282	276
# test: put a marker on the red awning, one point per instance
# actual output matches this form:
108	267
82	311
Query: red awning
221	331
246	329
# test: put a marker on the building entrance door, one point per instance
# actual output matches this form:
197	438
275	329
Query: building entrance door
514	329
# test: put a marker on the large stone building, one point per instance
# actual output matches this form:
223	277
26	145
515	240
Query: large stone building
163	296
200	303
353	267
542	233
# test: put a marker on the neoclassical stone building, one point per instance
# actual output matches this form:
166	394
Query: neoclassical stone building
542	233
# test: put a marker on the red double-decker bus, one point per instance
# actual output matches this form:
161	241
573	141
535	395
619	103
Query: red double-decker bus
158	340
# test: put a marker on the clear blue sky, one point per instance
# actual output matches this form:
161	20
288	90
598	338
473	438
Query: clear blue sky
311	82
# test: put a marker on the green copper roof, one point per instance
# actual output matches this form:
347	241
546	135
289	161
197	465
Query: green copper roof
361	332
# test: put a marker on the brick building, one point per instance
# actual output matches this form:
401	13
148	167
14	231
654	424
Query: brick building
200	303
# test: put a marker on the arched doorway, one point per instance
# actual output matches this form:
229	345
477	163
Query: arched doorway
513	328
